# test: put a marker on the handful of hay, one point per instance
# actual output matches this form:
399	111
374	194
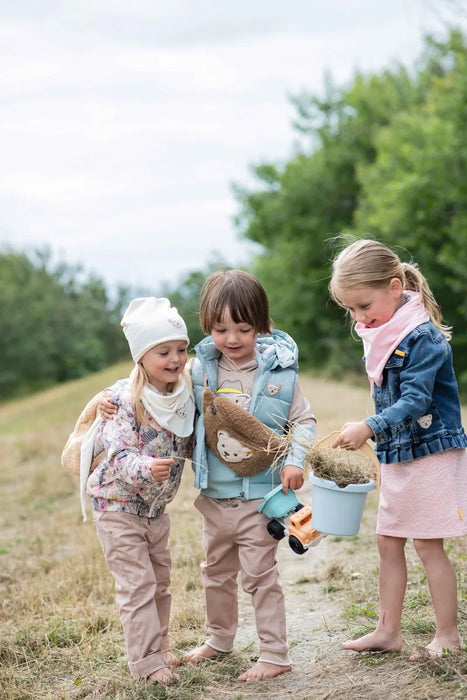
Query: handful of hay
344	467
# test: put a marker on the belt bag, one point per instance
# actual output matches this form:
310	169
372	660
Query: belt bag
239	440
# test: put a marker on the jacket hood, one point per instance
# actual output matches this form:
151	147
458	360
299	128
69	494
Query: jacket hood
272	351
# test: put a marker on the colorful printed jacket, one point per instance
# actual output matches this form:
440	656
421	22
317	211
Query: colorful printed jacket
123	481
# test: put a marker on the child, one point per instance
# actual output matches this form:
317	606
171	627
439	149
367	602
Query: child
417	428
258	372
146	445
256	368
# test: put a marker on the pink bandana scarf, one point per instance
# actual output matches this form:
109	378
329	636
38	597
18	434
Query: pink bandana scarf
379	343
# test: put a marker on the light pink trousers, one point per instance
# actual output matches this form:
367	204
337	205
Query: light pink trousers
236	540
137	553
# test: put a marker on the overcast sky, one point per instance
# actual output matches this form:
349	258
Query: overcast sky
124	123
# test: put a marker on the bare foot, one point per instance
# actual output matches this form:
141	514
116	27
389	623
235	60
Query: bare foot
375	641
200	654
436	648
170	659
163	676
261	670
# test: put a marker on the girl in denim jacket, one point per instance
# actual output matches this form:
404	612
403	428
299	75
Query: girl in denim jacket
417	430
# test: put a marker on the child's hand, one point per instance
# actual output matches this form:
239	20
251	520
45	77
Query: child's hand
107	409
353	435
291	478
160	468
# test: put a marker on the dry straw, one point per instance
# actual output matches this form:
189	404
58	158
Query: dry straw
344	467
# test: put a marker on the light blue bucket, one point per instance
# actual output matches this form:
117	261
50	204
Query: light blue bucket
335	510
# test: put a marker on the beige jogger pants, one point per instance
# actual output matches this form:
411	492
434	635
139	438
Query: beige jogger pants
137	553
236	540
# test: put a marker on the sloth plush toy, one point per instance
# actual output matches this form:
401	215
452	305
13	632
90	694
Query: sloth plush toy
237	438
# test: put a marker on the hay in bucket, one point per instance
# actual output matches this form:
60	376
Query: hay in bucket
343	467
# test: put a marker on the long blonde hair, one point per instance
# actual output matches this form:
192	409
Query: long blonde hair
140	379
369	263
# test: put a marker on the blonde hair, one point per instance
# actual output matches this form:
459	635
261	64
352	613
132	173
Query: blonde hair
139	381
369	263
240	293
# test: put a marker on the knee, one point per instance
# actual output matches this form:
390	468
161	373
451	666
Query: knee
426	549
390	547
265	580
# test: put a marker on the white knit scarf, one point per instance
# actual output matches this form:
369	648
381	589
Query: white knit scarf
379	343
175	411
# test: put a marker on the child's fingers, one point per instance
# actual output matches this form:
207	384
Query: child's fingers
107	408
337	442
160	468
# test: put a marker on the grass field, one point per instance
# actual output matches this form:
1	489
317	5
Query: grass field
60	635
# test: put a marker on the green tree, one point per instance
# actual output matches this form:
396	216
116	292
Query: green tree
414	194
386	157
52	327
310	200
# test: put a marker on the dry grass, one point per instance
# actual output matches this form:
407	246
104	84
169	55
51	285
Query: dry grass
336	465
60	636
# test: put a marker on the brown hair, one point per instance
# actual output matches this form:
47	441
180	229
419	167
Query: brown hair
369	263
241	294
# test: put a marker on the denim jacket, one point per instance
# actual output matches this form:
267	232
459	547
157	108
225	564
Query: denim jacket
417	405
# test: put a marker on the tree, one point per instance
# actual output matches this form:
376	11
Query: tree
415	191
309	201
386	158
52	326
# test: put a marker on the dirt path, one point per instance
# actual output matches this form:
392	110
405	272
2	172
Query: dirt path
316	628
315	601
314	625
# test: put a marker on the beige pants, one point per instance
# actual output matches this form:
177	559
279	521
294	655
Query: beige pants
236	540
137	553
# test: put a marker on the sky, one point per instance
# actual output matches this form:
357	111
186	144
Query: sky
123	125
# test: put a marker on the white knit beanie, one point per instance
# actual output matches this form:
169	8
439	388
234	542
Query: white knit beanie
149	321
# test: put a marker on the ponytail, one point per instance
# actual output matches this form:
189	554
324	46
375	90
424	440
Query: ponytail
416	282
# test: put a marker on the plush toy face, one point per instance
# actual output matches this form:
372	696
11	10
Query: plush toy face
230	449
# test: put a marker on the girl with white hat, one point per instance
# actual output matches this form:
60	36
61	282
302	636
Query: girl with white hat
146	446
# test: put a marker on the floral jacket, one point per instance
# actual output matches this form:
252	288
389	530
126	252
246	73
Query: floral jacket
123	480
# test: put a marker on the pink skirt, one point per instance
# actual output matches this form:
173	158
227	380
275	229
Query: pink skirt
425	498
